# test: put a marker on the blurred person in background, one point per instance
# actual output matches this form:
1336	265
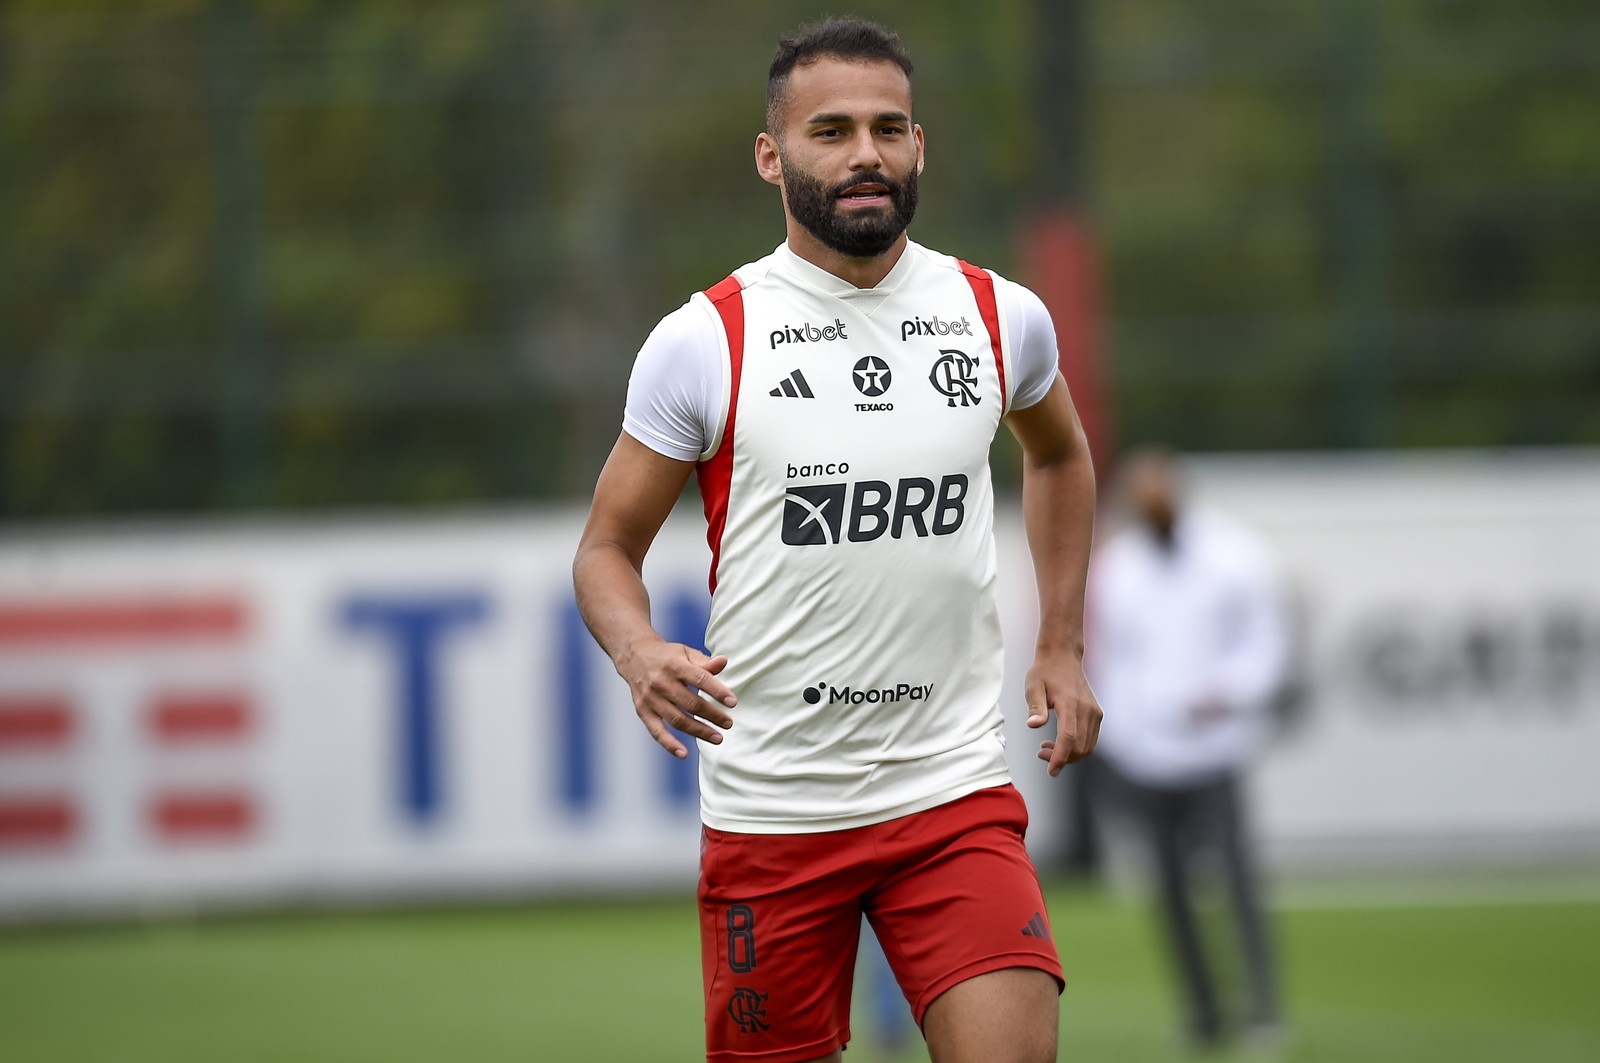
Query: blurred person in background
1188	646
837	400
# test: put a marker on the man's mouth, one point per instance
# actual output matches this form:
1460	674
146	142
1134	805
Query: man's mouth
869	193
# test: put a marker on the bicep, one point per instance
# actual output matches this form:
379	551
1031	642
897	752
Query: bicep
1048	430
637	489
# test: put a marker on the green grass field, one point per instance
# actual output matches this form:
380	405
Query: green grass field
619	983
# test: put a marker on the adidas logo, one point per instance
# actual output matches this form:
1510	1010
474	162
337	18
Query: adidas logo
793	386
1036	928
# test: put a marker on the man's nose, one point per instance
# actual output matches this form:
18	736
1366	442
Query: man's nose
864	154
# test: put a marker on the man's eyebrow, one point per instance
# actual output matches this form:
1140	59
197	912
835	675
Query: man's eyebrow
840	118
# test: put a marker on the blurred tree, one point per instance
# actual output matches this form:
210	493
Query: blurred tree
305	253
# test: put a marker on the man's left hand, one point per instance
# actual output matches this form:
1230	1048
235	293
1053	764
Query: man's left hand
1056	683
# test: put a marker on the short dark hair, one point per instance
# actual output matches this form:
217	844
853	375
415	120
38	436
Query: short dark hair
832	38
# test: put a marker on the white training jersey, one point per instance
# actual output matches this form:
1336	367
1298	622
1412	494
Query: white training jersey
843	436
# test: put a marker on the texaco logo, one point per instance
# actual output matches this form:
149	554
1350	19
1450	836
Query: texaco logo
871	376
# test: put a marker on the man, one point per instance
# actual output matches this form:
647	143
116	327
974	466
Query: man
1188	647
837	401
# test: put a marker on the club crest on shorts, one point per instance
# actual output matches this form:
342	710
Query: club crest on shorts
749	1009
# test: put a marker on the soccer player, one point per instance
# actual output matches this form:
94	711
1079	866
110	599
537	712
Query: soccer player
837	400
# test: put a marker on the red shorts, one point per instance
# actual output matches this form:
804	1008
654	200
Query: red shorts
950	893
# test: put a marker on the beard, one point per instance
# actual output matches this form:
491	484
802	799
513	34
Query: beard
856	233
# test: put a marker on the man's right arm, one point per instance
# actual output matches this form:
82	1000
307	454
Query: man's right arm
637	489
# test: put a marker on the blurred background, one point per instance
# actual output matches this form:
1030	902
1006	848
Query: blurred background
315	324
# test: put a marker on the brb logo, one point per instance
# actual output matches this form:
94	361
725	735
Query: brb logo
955	376
933	326
807	333
827	514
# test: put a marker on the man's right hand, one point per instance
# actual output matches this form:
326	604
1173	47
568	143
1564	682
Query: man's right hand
665	679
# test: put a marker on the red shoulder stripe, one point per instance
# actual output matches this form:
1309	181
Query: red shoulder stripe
983	290
716	472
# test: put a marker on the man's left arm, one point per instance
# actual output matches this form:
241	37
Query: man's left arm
1058	513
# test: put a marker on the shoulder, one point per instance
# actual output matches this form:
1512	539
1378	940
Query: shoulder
1026	317
1004	290
750	275
674	391
686	335
1016	296
1031	337
1018	304
927	256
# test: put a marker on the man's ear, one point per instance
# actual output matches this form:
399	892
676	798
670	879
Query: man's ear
768	163
916	131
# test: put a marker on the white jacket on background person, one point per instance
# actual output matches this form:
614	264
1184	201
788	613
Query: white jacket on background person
1188	642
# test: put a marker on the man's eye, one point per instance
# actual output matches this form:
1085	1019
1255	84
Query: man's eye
827	132
892	129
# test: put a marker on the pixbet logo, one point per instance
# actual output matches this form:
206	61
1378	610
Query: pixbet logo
807	333
933	326
827	514
870	696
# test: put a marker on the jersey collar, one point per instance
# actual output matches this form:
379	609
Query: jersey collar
819	279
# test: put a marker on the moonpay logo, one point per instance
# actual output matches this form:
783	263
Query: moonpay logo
851	695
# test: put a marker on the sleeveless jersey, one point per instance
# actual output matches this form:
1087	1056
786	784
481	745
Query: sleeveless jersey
849	512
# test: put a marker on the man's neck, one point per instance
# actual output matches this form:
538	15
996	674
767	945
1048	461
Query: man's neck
861	272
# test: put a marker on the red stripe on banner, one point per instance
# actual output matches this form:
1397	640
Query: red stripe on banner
35	723
983	290
203	815
137	620
36	821
716	473
201	717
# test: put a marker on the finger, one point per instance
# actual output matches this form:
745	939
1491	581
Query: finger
1088	729
689	724
687	699
710	710
1044	749
1061	754
664	737
704	678
1094	729
1038	704
680	692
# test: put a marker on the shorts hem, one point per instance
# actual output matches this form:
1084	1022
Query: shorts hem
855	820
801	1054
987	965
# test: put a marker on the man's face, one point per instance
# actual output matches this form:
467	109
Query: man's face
1152	492
849	154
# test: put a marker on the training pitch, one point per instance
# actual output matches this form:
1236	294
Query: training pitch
1365	980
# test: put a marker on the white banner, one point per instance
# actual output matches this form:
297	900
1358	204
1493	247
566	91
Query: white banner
312	711
1452	609
303	711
